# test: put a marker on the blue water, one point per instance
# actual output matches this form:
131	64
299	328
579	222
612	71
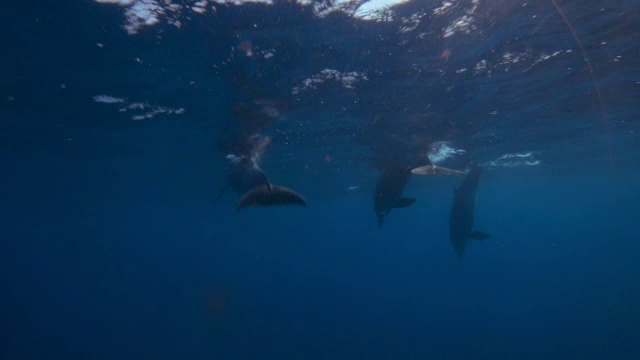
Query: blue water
113	146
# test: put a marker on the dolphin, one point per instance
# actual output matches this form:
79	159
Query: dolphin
390	186
388	193
247	179
462	212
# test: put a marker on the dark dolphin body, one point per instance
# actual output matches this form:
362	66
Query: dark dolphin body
394	179
388	194
244	174
268	195
462	212
390	186
247	179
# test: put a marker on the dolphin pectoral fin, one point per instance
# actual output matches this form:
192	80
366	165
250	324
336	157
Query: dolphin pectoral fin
269	195
423	170
435	170
404	202
446	171
478	235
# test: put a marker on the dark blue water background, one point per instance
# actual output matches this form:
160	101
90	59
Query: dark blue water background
113	248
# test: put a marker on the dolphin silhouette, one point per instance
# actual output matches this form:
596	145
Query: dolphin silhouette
391	184
388	192
462	214
247	179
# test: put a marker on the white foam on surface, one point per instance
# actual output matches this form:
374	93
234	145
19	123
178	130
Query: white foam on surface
514	160
150	111
107	99
141	110
200	6
116	2
441	151
376	9
464	24
444	8
146	13
412	22
347	79
522	61
142	13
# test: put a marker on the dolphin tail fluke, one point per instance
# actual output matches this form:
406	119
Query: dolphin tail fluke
404	202
435	170
270	195
478	235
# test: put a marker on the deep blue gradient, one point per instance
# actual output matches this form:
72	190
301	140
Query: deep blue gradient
113	248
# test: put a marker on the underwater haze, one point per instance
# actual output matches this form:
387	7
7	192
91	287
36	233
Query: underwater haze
145	143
